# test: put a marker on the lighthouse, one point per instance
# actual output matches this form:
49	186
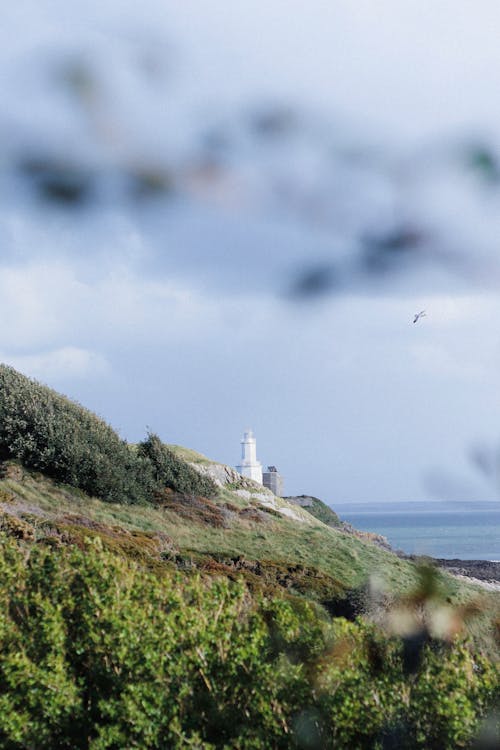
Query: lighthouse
249	466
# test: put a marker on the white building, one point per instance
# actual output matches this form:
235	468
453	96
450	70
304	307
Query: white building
249	466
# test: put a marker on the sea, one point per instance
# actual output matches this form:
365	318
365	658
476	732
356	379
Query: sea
468	531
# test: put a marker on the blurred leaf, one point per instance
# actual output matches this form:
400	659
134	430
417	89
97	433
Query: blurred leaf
57	180
148	183
484	162
273	121
413	648
384	252
76	75
485	459
315	281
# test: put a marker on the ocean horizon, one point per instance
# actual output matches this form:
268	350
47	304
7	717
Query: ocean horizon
463	530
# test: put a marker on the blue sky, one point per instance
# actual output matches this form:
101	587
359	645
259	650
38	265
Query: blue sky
173	314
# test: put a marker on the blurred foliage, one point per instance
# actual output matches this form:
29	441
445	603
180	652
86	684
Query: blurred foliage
59	180
314	281
265	156
98	653
274	121
385	252
50	433
484	162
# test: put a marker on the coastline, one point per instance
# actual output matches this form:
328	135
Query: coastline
485	573
455	535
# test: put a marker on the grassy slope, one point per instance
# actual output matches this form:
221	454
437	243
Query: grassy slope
189	455
38	500
309	559
318	509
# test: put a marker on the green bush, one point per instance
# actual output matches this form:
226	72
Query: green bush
52	434
171	471
98	653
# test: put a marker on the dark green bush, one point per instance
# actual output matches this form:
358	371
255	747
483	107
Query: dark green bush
97	653
52	434
171	471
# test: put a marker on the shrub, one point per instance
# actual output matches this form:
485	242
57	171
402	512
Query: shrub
98	653
171	471
52	434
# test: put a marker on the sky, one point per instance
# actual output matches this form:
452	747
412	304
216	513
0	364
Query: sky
174	311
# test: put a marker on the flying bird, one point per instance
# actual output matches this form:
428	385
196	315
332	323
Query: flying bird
419	315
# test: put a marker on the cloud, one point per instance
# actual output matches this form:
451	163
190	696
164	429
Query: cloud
52	304
69	362
171	314
435	360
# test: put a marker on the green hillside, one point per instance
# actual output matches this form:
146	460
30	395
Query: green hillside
153	598
200	531
228	535
50	433
67	475
198	623
316	508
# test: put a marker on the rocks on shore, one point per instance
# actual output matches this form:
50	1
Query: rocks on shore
481	570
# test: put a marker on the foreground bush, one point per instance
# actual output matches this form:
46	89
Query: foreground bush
97	653
50	433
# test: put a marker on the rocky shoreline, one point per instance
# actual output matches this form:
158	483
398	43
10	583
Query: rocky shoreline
483	572
480	570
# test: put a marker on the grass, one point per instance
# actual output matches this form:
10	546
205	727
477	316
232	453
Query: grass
310	559
320	510
189	455
281	540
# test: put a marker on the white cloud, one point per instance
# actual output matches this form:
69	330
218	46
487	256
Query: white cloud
69	362
434	360
49	304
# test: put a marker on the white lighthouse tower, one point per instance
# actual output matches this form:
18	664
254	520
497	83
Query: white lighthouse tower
249	466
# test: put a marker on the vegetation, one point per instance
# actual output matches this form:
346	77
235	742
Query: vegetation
173	472
98	653
52	434
316	508
170	614
271	538
189	455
